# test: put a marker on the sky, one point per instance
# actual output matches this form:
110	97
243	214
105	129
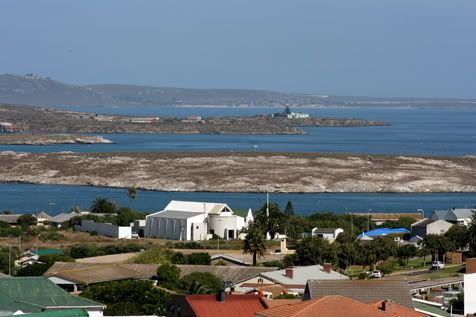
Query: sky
381	48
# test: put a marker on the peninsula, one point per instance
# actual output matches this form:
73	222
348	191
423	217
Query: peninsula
50	120
244	172
47	139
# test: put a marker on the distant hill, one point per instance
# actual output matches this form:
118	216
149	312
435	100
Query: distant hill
35	90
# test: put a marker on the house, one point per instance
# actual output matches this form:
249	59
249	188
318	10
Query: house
381	217
6	127
460	216
216	305
381	232
38	294
327	233
42	217
430	226
74	275
292	278
106	229
287	113
228	260
26	259
61	218
11	219
186	220
337	306
364	291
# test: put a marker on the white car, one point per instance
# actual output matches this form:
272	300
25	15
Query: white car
376	274
437	265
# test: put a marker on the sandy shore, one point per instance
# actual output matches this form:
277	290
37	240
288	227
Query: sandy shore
244	172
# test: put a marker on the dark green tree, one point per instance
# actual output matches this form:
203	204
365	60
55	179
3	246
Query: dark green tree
457	237
254	243
125	216
36	269
315	250
436	245
272	224
405	252
26	220
129	297
289	210
201	283
132	194
168	276
472	236
346	255
103	206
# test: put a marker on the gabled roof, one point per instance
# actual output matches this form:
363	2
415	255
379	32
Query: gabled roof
364	291
229	274
63	217
423	223
196	207
232	306
303	273
440	214
10	218
42	215
59	313
453	214
34	294
463	213
336	306
175	214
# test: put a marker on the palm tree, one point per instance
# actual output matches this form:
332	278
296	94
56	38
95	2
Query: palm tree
132	193
255	243
103	206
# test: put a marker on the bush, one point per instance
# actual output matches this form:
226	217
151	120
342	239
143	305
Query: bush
363	275
200	283
36	269
387	267
275	263
168	276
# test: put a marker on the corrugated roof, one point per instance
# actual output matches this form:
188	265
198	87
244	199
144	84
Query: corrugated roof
233	306
364	291
59	313
424	222
389	215
384	232
301	274
63	217
336	306
34	294
232	274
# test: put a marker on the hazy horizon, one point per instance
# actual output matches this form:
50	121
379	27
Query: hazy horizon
369	48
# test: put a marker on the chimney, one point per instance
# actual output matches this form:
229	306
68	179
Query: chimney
221	295
327	267
289	272
387	305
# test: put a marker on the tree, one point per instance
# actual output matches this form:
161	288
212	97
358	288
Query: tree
436	245
289	210
405	252
472	236
315	250
273	223
201	283
129	297
254	243
76	209
402	222
345	237
457	237
132	193
168	276
36	269
346	255
125	216
26	220
387	267
103	206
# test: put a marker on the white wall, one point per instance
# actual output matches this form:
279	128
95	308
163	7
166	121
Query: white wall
106	229
469	294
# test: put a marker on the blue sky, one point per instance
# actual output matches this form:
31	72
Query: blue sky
400	48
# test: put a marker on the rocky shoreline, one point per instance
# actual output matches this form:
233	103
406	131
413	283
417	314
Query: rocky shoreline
48	139
244	172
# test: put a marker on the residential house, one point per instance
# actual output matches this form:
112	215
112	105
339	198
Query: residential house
38	294
11	219
338	306
216	305
364	291
186	220
26	259
430	226
106	229
61	218
42	217
292	278
380	218
459	216
329	234
287	113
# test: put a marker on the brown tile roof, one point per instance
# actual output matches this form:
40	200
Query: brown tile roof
91	273
335	306
233	306
274	289
390	215
364	291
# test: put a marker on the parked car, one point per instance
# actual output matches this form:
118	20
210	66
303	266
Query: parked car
376	274
437	265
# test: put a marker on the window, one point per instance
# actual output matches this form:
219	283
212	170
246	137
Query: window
196	227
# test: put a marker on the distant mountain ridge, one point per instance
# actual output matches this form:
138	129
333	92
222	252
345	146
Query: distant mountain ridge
34	90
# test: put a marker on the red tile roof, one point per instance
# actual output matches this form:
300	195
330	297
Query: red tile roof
336	306
233	306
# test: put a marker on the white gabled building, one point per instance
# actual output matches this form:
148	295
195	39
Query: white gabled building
186	220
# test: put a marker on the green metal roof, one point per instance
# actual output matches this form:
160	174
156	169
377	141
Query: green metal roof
59	313
35	294
48	252
431	309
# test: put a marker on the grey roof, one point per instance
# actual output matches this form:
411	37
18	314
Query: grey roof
423	223
176	214
63	217
301	274
325	230
364	291
42	215
440	214
228	274
453	214
463	213
10	218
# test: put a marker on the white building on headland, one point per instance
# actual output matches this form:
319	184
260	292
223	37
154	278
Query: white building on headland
186	220
291	115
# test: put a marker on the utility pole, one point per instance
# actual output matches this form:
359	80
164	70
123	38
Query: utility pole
368	220
9	260
267	204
